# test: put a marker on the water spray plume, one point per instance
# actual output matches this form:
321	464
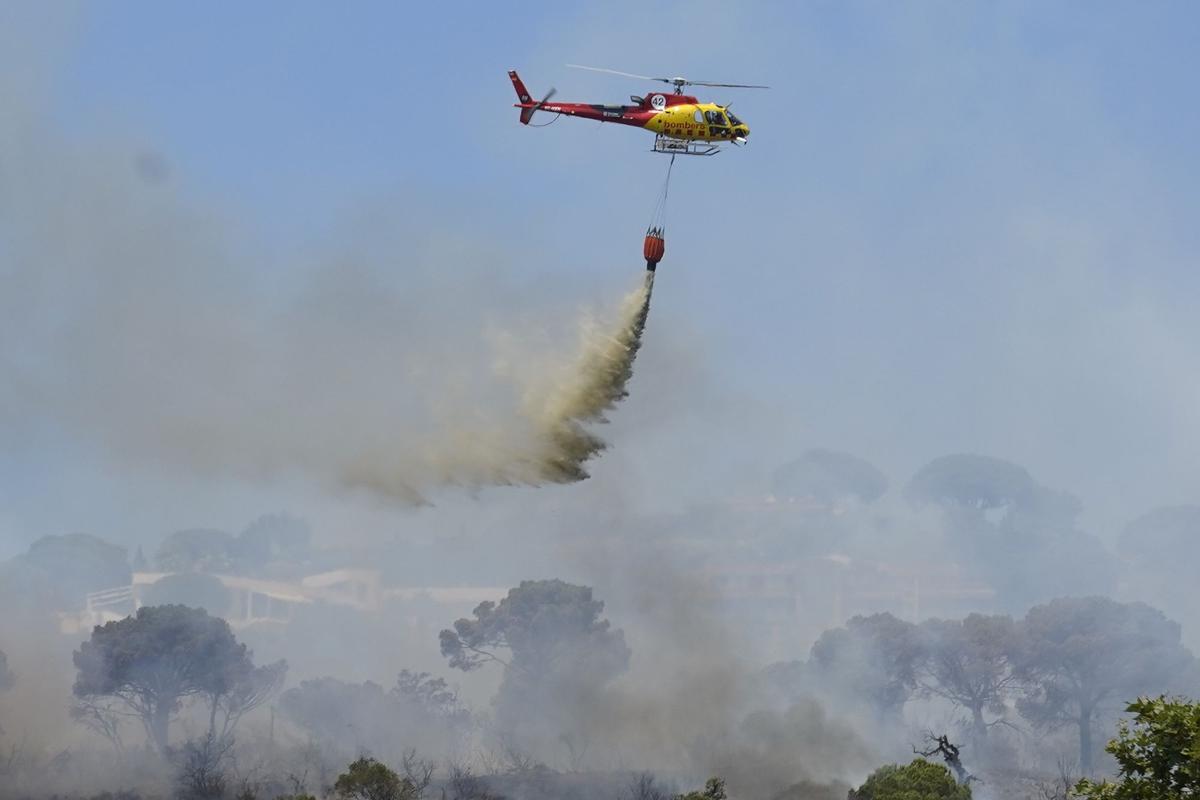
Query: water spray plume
588	388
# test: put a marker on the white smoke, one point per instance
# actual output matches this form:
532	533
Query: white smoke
131	320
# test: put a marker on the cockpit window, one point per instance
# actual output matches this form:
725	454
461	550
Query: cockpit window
732	119
715	118
699	116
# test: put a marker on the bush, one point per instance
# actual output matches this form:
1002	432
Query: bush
919	780
713	790
1159	754
367	779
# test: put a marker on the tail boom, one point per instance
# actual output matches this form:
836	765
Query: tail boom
637	116
527	105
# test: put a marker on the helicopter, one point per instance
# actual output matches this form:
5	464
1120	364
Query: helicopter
682	125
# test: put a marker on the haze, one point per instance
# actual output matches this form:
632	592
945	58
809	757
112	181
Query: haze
305	262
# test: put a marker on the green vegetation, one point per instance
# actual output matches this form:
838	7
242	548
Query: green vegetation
920	780
150	663
714	789
367	779
558	654
1159	754
1083	653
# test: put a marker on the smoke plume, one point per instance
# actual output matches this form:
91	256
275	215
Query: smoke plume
137	321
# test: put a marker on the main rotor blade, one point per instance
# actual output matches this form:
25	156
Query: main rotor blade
618	72
682	81
728	85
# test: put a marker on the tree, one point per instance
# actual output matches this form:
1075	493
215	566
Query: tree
919	780
752	759
556	650
78	564
1158	754
1083	655
1015	532
873	658
196	550
193	589
352	719
343	717
1161	548
368	779
533	623
249	688
271	537
714	789
829	476
156	659
7	679
950	753
973	482
28	595
102	715
1162	532
426	691
644	786
463	784
200	768
969	662
431	702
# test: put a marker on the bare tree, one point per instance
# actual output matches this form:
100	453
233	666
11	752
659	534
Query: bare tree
17	757
577	746
200	767
517	761
941	746
256	686
507	757
417	772
463	784
102	715
7	679
644	787
1062	787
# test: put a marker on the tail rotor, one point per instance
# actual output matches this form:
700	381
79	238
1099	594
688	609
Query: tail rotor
527	113
526	103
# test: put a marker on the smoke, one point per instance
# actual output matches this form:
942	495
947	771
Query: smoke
693	703
142	321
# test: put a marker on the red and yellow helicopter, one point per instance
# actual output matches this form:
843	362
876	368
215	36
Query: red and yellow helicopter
682	125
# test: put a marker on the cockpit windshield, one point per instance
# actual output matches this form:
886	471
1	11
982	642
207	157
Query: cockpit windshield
732	119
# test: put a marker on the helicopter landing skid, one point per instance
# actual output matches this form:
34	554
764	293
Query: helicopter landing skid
684	147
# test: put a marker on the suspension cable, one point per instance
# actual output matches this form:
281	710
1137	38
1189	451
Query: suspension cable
659	218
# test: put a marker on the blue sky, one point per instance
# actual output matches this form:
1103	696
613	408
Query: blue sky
957	226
